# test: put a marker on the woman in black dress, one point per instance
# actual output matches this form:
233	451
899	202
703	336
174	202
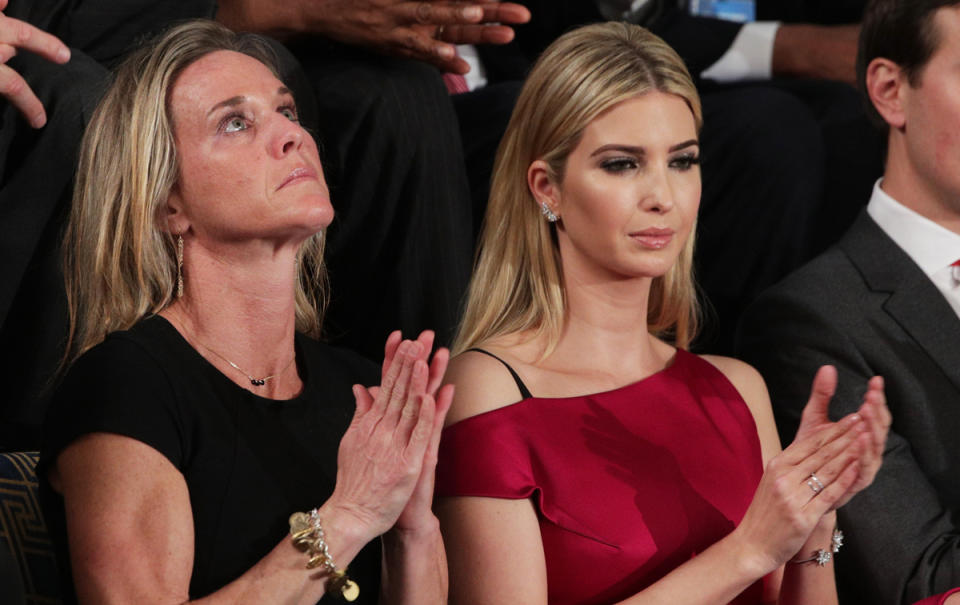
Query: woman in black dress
199	414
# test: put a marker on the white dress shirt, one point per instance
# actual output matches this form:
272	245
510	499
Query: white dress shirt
932	247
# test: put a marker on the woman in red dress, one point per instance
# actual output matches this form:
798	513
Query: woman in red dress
588	457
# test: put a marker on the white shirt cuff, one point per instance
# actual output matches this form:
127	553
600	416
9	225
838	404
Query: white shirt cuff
477	76
750	57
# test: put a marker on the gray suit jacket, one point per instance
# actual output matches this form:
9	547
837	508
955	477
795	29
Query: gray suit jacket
865	307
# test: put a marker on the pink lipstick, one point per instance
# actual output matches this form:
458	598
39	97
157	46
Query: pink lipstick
653	238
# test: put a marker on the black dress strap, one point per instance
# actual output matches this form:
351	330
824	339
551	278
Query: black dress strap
524	392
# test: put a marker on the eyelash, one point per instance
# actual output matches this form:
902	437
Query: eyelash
618	165
225	122
686	162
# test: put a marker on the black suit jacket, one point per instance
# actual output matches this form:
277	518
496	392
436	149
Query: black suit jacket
699	41
865	307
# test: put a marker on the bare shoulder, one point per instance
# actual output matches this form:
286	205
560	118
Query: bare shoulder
753	389
744	377
483	384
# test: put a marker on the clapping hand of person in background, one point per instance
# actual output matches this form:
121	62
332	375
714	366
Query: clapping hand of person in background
426	30
16	35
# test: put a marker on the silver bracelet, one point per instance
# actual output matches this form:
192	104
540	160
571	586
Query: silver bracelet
821	556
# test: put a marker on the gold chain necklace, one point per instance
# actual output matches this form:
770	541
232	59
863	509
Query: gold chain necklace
257	382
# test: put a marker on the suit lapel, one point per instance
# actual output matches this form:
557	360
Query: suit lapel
914	303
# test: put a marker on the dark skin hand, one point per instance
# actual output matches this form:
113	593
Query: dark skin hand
16	35
426	30
827	52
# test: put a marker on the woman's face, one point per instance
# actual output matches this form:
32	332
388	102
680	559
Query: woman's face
248	170
629	197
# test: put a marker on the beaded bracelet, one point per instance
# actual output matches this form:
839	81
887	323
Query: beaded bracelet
306	531
821	556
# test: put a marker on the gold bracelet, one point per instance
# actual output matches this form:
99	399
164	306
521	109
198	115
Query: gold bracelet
306	531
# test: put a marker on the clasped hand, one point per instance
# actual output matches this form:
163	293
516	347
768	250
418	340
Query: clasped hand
387	458
843	457
16	35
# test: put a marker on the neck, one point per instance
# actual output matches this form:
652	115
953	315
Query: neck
241	310
606	323
906	183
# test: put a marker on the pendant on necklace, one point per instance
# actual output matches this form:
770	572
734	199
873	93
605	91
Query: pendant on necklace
258	382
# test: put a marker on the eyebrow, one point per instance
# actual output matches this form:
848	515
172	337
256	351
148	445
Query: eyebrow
639	150
240	99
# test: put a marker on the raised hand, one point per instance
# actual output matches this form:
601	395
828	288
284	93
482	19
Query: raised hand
798	487
16	35
418	514
382	453
873	411
426	30
438	365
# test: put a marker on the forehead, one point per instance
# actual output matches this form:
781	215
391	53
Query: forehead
944	31
218	76
649	116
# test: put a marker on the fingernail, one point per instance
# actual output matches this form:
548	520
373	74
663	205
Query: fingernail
446	52
854	418
64	55
472	12
39	120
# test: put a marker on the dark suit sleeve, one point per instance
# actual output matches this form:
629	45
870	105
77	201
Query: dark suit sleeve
105	29
901	543
699	41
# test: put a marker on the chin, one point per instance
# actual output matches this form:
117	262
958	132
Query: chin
317	216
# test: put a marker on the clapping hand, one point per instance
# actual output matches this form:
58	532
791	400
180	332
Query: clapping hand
827	463
873	411
426	30
386	458
418	513
16	35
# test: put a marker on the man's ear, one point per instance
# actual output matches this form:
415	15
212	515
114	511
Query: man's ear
542	186
887	85
171	216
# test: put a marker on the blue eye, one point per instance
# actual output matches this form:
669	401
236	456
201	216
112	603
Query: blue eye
234	124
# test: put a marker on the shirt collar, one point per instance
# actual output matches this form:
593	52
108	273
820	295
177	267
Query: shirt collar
930	245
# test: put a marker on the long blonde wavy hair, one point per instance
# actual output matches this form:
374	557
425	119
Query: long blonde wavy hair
517	284
119	258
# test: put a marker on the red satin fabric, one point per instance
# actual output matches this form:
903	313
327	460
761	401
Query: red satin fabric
628	484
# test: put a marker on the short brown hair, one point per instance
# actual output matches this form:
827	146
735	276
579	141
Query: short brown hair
902	31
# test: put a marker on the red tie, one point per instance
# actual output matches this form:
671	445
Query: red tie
456	83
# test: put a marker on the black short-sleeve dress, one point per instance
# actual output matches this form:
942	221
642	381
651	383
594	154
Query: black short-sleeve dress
249	462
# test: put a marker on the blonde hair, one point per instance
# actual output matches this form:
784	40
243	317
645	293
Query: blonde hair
119	260
517	283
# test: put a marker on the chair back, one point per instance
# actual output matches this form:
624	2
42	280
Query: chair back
28	570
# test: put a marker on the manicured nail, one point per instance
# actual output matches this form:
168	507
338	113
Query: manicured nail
63	55
854	418
39	120
472	13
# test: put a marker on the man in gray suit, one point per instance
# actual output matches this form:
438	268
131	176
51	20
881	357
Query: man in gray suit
886	300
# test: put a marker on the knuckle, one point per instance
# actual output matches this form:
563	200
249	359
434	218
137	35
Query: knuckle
22	32
12	85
